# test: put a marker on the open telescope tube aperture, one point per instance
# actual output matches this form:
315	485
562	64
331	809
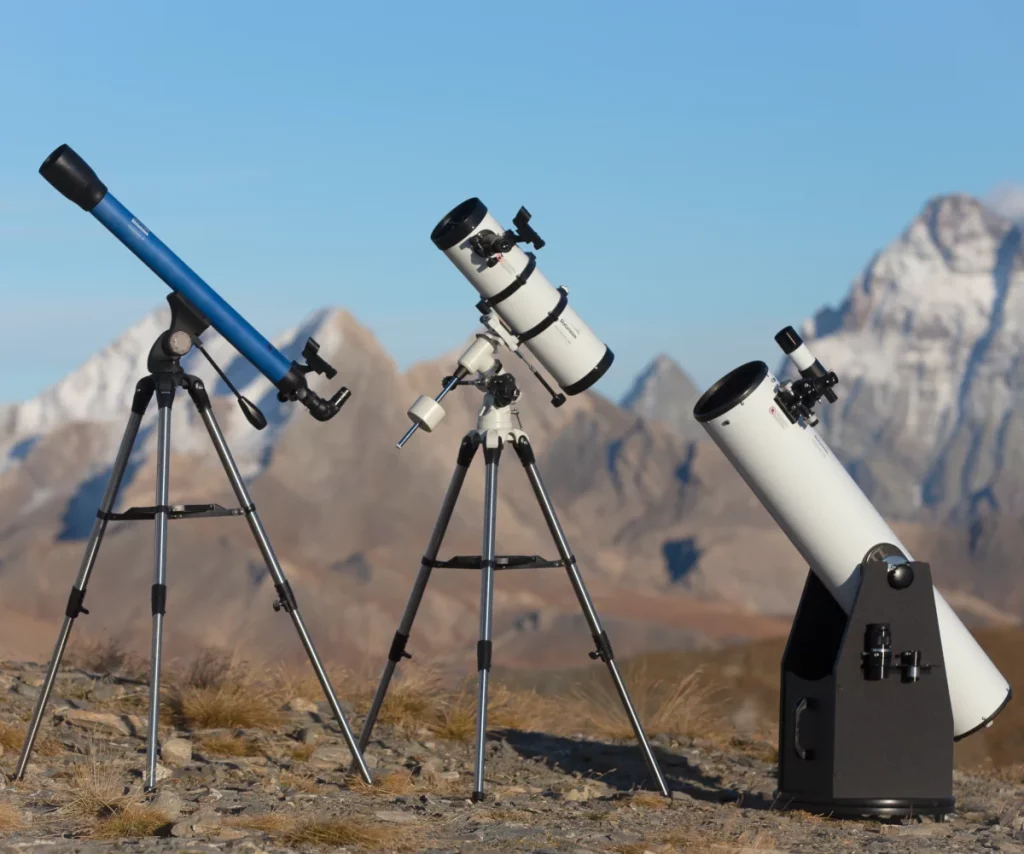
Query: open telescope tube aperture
75	180
826	516
511	284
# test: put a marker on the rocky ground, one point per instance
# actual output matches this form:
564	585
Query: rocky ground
278	781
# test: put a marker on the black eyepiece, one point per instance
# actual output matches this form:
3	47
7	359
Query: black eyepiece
788	340
73	178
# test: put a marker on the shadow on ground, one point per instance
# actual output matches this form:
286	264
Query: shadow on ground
622	767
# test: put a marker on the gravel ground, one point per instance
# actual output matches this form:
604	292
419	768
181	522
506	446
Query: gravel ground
289	790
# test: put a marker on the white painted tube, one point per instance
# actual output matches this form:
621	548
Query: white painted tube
830	521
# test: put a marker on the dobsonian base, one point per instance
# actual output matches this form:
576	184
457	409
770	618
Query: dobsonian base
164	384
855	743
488	563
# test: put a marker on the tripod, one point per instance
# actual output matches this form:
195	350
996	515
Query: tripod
166	376
494	432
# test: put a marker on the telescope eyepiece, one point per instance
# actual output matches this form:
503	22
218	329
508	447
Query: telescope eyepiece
73	178
788	340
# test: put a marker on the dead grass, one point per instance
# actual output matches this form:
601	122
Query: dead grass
131	821
299	782
648	801
220	692
13	737
302	752
227	746
271	823
685	707
100	805
326	832
105	656
11	819
339	832
455	717
411	701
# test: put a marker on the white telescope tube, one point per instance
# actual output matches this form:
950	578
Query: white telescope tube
537	313
830	521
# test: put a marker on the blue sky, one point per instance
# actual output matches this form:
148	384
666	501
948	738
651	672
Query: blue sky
703	173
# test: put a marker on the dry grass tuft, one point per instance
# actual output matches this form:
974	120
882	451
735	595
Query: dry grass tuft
271	823
326	832
455	716
302	752
411	701
339	832
95	790
11	819
227	746
105	656
394	783
13	737
648	800
299	782
98	801
684	708
131	821
220	692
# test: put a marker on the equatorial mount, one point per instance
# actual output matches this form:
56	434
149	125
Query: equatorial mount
489	244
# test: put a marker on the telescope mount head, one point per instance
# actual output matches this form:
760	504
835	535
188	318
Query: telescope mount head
187	324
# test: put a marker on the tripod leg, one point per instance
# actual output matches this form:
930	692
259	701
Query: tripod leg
143	394
466	453
164	399
604	647
286	598
483	648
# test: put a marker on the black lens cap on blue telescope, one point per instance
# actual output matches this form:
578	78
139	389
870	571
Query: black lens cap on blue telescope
73	178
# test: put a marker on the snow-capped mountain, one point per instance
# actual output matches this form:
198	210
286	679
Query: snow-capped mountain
663	391
101	390
928	348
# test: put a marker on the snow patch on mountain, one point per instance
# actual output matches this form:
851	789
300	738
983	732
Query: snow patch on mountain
927	347
102	388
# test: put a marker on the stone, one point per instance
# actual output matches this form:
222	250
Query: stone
176	752
103	721
331	754
162	772
312	734
106	691
396	817
300	704
169	803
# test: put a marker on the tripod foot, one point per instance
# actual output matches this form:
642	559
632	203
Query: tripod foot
478	797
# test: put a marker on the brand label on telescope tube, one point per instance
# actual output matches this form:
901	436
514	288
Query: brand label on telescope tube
140	227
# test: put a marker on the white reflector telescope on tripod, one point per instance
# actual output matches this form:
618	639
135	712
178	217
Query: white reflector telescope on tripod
508	280
765	429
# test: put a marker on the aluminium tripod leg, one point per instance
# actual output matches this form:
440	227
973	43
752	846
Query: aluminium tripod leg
467	451
286	598
483	648
164	400
143	395
604	647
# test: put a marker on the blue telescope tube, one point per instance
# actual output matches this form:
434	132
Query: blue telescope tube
148	248
75	180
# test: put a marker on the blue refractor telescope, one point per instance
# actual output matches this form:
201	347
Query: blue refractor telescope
75	180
